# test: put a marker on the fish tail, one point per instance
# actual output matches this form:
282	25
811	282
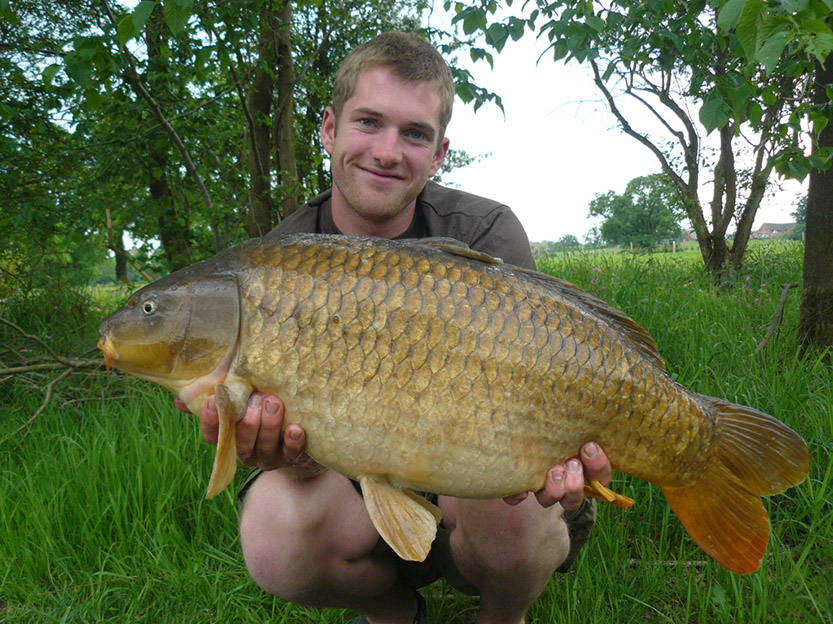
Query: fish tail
757	455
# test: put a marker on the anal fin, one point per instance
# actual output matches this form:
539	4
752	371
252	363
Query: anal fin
407	522
594	489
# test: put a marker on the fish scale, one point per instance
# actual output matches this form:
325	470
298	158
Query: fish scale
426	365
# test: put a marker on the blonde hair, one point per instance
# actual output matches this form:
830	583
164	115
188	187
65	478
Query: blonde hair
409	57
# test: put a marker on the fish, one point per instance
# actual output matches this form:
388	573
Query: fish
426	366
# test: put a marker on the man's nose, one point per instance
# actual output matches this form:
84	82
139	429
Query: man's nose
387	149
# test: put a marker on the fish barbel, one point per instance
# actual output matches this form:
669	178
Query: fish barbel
423	365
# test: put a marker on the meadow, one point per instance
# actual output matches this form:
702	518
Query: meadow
102	515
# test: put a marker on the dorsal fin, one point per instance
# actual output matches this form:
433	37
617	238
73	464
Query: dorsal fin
453	247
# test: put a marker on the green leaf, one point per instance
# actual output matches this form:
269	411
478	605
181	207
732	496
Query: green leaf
496	36
8	14
770	52
127	30
473	20
713	114
596	23
142	13
728	17
49	73
748	26
79	68
177	13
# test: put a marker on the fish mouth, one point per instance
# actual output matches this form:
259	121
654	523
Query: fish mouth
109	351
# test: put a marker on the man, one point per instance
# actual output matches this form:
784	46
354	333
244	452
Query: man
305	533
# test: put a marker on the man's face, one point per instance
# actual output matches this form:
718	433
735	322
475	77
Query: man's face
384	146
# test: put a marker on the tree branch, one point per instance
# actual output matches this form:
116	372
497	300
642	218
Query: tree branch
132	78
628	129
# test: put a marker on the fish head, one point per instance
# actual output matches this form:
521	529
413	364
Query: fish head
175	331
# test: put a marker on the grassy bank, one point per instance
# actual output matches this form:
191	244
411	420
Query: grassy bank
102	516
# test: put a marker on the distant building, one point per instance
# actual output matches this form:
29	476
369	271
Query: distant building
773	230
689	235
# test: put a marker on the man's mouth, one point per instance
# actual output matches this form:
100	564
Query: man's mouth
385	175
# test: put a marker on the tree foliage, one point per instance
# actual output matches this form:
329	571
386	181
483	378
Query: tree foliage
179	126
649	211
773	32
723	125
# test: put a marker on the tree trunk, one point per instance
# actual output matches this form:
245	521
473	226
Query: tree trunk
815	326
173	228
284	116
259	104
121	260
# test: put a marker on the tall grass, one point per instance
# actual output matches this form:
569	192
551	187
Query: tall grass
102	516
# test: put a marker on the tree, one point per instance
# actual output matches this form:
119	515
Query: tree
185	126
568	242
795	32
670	59
649	211
816	310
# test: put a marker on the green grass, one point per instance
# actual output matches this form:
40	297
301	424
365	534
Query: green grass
102	516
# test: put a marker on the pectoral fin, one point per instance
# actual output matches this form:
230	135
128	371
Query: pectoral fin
231	405
407	522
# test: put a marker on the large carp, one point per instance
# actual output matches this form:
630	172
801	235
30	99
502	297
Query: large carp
425	365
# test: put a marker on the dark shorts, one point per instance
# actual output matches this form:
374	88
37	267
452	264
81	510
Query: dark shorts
440	563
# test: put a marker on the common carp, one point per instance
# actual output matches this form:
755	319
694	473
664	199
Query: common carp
424	365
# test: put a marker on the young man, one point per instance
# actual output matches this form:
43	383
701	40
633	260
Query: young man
305	533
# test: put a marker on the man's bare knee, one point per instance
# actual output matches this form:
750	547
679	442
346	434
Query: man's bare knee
301	539
272	532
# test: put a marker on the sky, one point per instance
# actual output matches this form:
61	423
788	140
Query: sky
557	146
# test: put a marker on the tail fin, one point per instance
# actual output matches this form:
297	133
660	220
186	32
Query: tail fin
756	456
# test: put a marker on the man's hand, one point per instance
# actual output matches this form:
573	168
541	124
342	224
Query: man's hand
565	483
259	439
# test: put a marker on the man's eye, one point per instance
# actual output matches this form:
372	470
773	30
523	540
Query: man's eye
416	135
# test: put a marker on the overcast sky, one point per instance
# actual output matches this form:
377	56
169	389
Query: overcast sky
557	146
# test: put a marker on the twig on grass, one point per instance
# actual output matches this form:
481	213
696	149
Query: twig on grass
30	373
779	314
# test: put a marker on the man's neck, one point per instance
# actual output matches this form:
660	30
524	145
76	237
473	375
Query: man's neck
349	222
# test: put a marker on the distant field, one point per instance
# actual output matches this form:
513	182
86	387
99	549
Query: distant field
102	516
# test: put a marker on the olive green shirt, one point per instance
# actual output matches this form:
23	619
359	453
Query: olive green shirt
482	224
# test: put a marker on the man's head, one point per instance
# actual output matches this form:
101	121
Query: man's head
386	132
409	57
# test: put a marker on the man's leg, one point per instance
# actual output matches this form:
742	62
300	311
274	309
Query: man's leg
508	552
311	542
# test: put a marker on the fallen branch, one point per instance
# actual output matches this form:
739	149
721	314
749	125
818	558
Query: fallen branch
779	314
46	399
28	371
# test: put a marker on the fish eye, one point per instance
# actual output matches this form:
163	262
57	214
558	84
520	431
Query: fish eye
149	307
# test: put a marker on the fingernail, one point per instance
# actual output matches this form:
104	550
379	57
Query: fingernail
294	434
591	449
574	466
557	476
271	407
210	405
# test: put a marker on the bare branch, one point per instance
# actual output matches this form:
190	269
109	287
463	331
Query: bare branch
628	129
779	314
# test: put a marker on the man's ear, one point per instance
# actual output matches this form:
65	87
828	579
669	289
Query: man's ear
439	156
328	130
